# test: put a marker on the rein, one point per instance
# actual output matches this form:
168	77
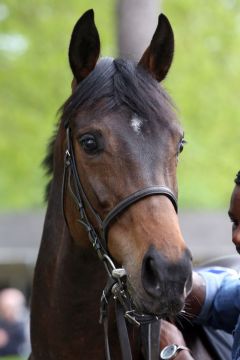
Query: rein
116	287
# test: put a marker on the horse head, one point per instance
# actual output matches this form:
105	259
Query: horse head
126	138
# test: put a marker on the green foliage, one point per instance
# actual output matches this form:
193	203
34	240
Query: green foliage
34	85
204	82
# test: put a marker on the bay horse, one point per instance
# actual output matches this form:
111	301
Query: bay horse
111	230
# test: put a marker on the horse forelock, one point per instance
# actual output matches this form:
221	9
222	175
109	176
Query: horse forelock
121	83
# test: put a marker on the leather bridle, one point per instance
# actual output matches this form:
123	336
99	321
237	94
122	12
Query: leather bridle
116	284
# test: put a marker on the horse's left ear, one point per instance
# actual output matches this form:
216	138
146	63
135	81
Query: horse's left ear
158	57
84	47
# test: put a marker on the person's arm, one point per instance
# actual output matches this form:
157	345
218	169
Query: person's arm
196	298
184	355
214	300
171	335
220	307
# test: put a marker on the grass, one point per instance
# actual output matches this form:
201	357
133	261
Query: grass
204	83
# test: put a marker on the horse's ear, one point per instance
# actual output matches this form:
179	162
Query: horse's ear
84	47
158	57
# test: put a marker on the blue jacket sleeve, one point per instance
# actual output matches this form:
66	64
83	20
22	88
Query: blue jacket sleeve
221	308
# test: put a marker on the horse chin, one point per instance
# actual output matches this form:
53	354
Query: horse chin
162	307
163	310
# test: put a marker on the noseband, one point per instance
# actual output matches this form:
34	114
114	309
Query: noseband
116	284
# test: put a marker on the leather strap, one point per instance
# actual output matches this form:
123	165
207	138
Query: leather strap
150	336
131	199
122	332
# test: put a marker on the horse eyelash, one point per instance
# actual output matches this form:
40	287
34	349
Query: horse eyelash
182	143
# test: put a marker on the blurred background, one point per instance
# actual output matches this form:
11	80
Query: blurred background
204	82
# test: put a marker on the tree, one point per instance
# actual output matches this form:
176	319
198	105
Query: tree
137	21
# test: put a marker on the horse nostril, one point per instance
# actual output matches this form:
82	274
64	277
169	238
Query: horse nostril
163	277
151	275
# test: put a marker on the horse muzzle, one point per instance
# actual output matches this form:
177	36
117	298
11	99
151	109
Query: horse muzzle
165	283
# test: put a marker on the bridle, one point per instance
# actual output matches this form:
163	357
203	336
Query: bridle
116	284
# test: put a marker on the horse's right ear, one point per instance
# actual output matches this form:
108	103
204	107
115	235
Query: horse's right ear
84	47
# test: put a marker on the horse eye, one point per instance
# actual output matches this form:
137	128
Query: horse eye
89	143
181	145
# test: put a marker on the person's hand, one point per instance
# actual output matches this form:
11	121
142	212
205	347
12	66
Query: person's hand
170	334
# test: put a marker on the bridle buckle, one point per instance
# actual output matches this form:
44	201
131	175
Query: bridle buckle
119	273
131	318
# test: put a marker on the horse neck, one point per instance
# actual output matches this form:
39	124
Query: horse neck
67	287
68	284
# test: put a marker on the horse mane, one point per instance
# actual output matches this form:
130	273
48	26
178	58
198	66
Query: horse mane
47	164
121	83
